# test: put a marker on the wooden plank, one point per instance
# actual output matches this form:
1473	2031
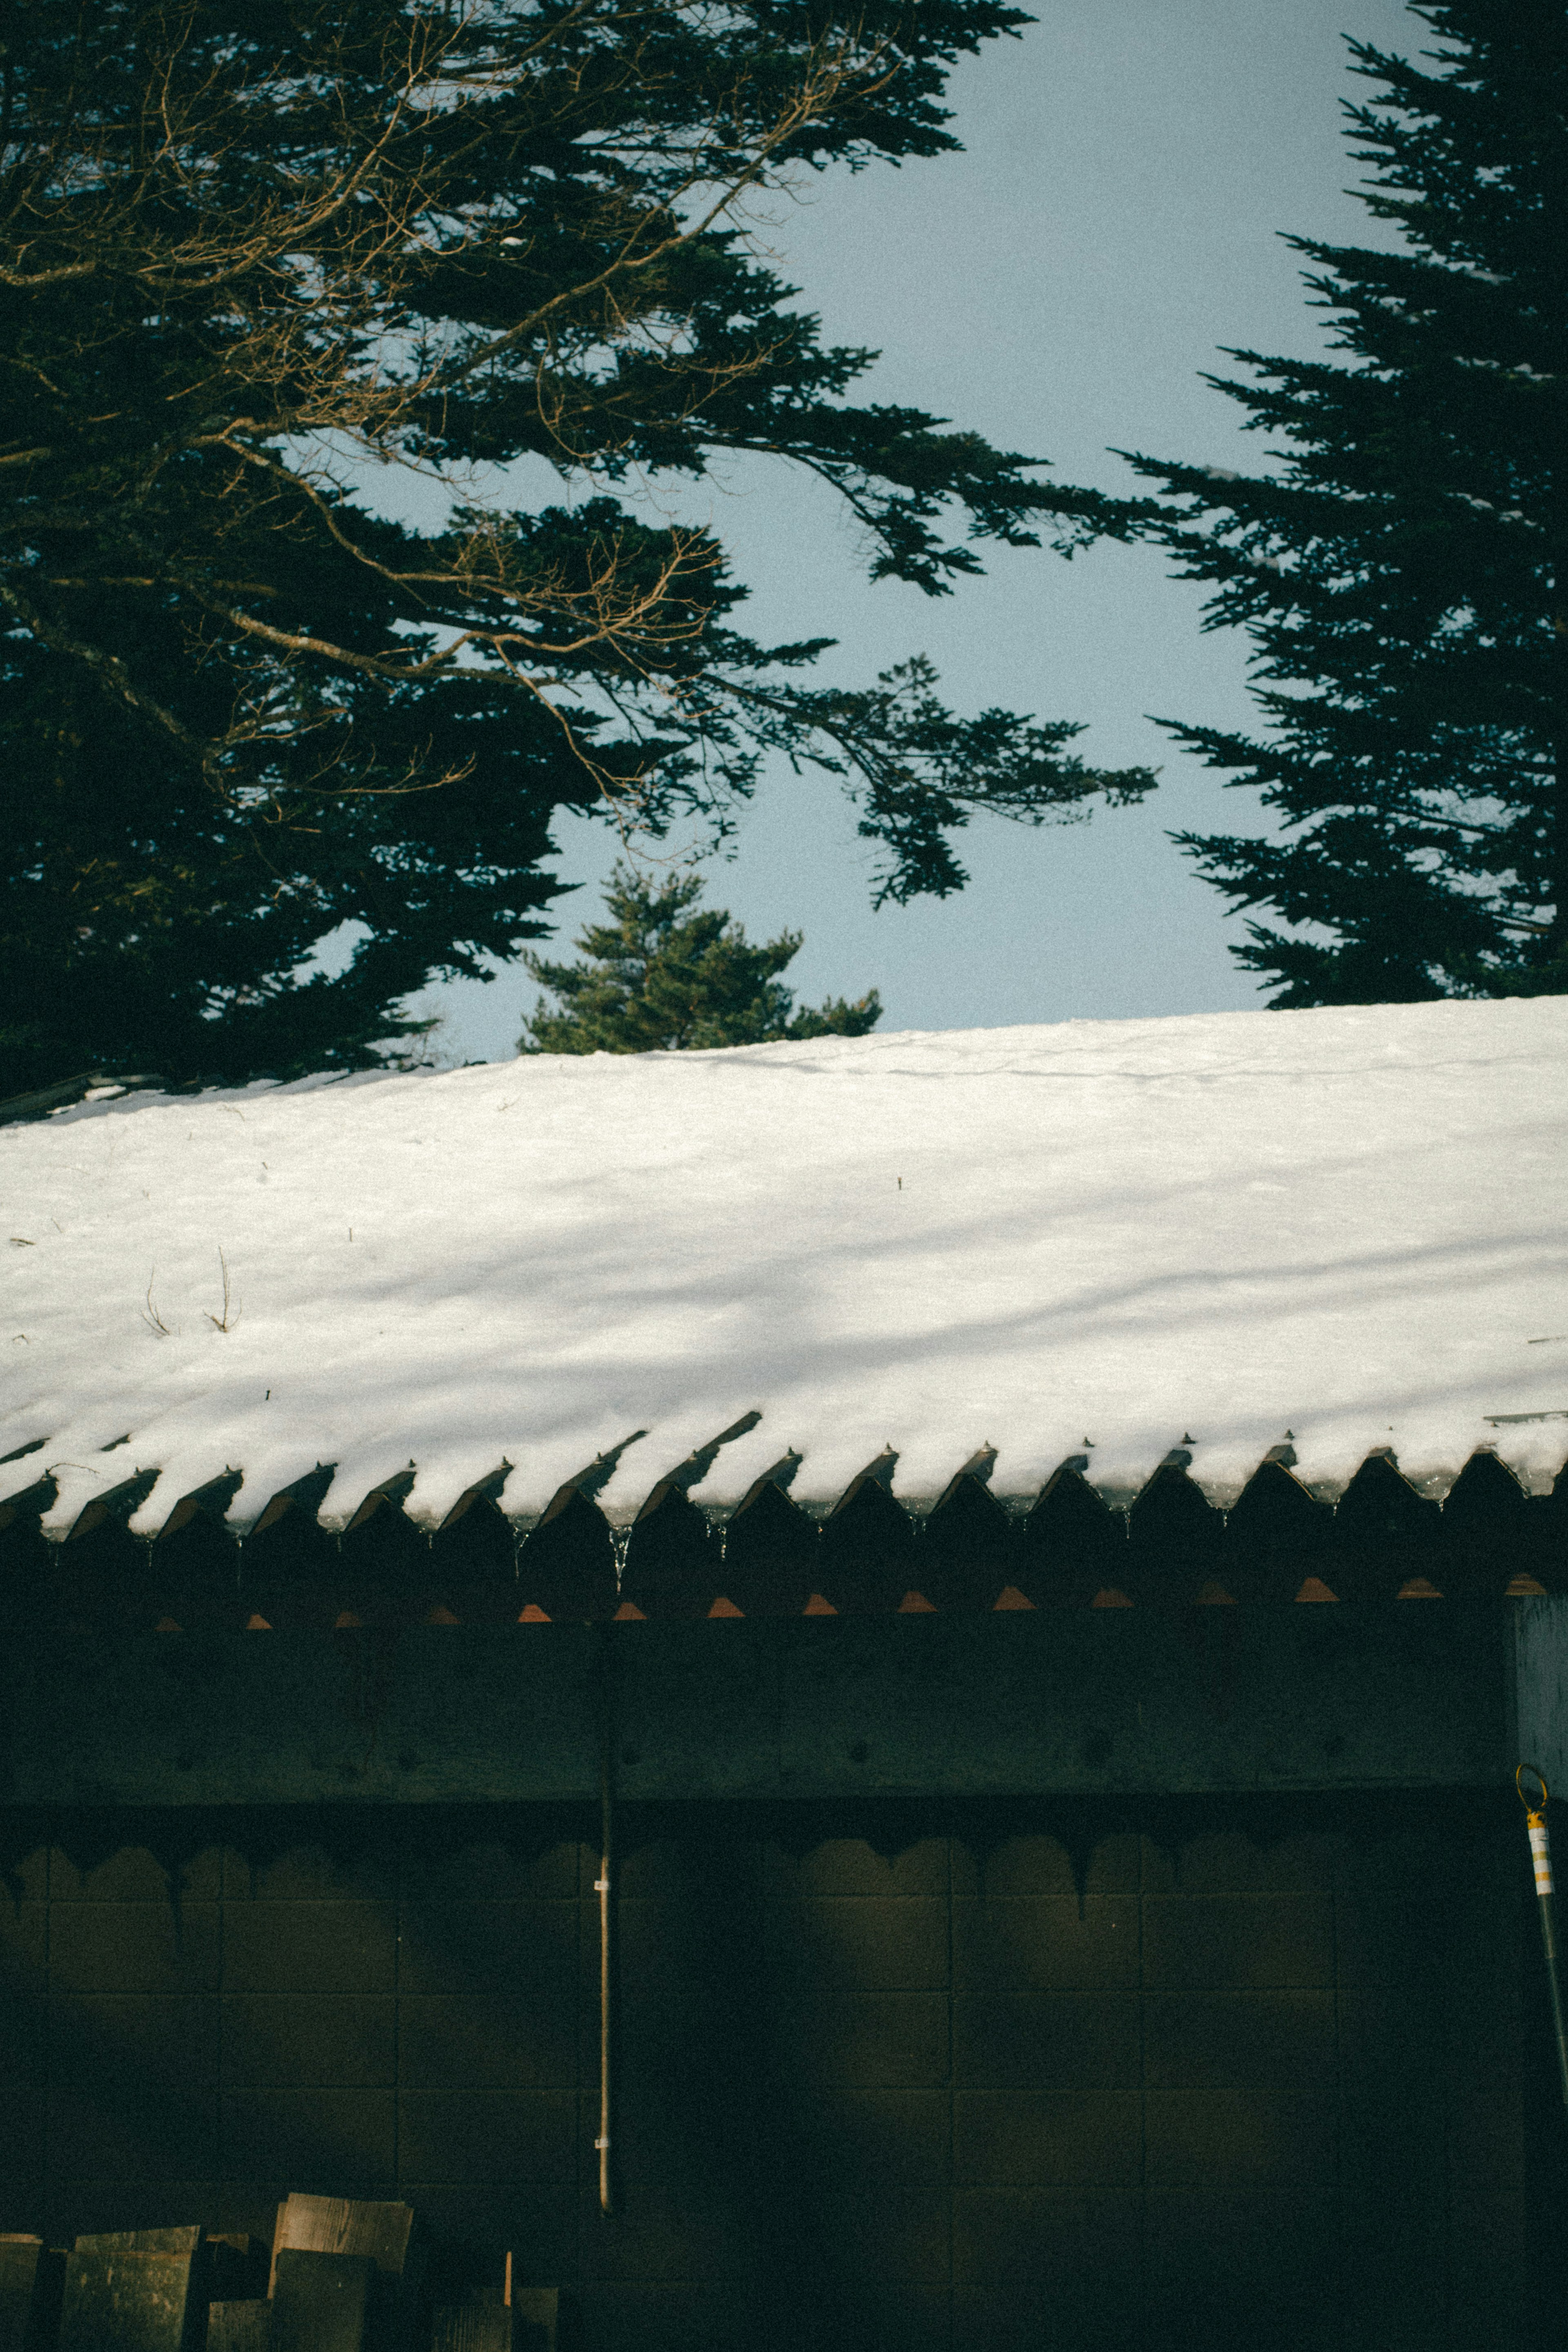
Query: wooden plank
32	2280
344	2225
184	2240
528	2322
132	2302
238	2266
320	2302
535	2319
986	1704
472	2327
1539	1733
240	2326
18	2291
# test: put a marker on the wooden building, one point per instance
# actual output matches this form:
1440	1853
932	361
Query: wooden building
1052	1902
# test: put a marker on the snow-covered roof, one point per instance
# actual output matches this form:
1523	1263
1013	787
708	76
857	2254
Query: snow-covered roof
1101	1238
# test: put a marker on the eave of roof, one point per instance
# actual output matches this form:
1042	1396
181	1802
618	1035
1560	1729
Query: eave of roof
1336	1231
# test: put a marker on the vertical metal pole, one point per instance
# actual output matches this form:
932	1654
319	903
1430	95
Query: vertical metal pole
603	1887
1541	1853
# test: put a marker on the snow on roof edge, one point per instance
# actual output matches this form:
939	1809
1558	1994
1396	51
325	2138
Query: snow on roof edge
1344	1223
161	1501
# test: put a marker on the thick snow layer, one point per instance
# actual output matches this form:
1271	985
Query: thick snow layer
1347	1226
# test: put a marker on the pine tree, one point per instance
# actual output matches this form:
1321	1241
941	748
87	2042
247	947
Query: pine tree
1404	574
253	251
658	977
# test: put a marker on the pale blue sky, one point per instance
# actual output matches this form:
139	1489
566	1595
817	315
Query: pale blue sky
1059	286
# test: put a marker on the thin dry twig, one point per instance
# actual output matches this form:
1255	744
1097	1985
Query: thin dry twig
230	1316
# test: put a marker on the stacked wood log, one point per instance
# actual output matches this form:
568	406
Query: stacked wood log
342	2275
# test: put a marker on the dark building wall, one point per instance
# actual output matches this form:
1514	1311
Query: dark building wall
936	2078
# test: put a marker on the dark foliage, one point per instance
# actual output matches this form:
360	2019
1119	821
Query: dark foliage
662	977
247	252
1403	576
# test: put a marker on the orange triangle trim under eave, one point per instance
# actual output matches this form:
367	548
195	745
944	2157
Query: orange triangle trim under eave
1524	1588
1212	1595
1010	1597
725	1608
818	1607
1416	1588
167	1626
916	1604
345	1621
254	1624
1314	1588
441	1615
532	1615
628	1611
1111	1596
